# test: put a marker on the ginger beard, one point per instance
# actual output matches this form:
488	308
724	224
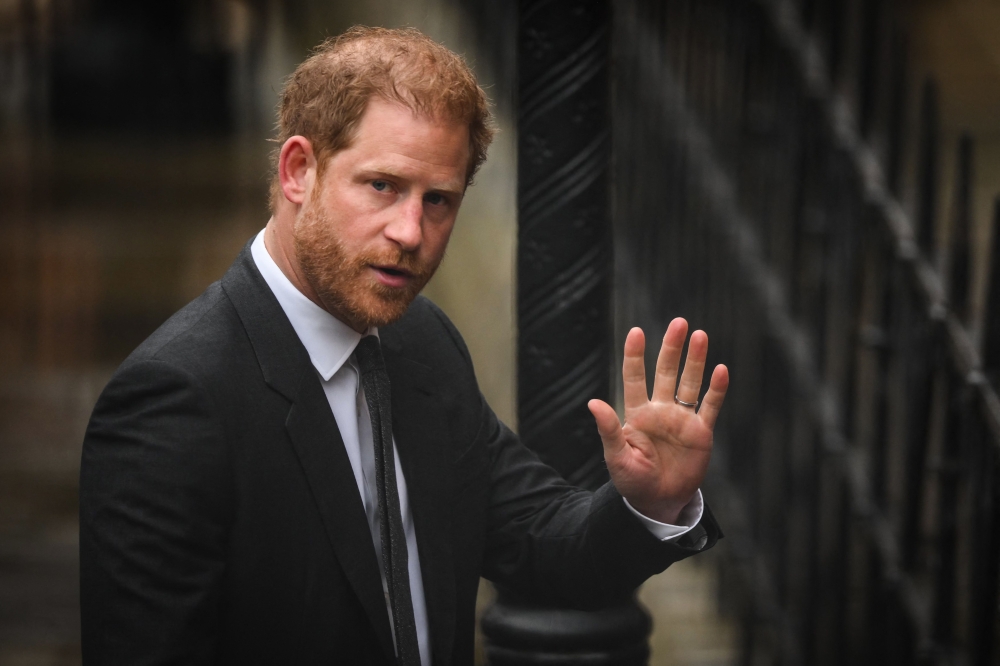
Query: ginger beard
343	283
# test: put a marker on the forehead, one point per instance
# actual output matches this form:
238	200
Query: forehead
394	134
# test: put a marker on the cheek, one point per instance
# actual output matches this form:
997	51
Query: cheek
349	202
354	227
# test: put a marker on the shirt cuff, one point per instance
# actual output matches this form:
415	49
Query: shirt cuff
688	518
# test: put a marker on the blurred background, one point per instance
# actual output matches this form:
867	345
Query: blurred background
811	181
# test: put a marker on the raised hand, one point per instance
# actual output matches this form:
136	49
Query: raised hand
658	458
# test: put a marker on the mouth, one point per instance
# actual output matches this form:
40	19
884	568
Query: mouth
392	276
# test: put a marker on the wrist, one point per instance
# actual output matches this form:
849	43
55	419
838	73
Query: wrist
663	511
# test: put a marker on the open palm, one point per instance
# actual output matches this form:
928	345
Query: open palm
658	458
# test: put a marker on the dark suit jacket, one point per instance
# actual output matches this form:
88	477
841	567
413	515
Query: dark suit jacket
220	521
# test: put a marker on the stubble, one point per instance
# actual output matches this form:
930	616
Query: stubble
345	284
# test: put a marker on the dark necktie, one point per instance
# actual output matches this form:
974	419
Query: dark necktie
376	384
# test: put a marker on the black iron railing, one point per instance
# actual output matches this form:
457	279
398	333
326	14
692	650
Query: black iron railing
762	153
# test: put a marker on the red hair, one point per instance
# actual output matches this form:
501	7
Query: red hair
326	96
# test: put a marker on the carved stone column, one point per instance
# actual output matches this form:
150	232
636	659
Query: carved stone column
564	270
564	255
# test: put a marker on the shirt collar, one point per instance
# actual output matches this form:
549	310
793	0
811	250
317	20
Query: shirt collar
328	340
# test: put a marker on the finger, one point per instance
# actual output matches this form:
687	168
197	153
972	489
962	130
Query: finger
694	368
669	360
715	395
609	428
634	370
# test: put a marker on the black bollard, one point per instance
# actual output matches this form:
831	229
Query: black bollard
522	633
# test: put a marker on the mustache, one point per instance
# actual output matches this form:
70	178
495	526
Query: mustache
399	259
406	261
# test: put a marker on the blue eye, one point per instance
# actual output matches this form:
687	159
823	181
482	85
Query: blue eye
434	199
380	185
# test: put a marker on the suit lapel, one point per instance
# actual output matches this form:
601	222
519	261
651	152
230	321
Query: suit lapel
317	441
314	435
418	426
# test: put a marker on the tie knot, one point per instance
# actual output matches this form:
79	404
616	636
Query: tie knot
369	354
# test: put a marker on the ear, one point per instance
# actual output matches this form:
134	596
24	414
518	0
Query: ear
296	168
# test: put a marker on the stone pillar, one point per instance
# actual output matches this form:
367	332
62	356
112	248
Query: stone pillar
564	271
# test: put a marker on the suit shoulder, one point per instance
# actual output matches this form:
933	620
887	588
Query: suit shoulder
198	336
426	329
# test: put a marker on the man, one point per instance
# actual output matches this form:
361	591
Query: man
298	467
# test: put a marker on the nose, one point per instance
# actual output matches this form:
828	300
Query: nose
407	228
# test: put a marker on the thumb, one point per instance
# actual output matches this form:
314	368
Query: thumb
608	426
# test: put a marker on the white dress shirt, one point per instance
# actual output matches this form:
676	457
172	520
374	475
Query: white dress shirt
330	344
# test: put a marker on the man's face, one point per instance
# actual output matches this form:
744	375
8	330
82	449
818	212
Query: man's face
376	224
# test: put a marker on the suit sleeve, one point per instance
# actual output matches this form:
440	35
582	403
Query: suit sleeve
555	543
154	505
